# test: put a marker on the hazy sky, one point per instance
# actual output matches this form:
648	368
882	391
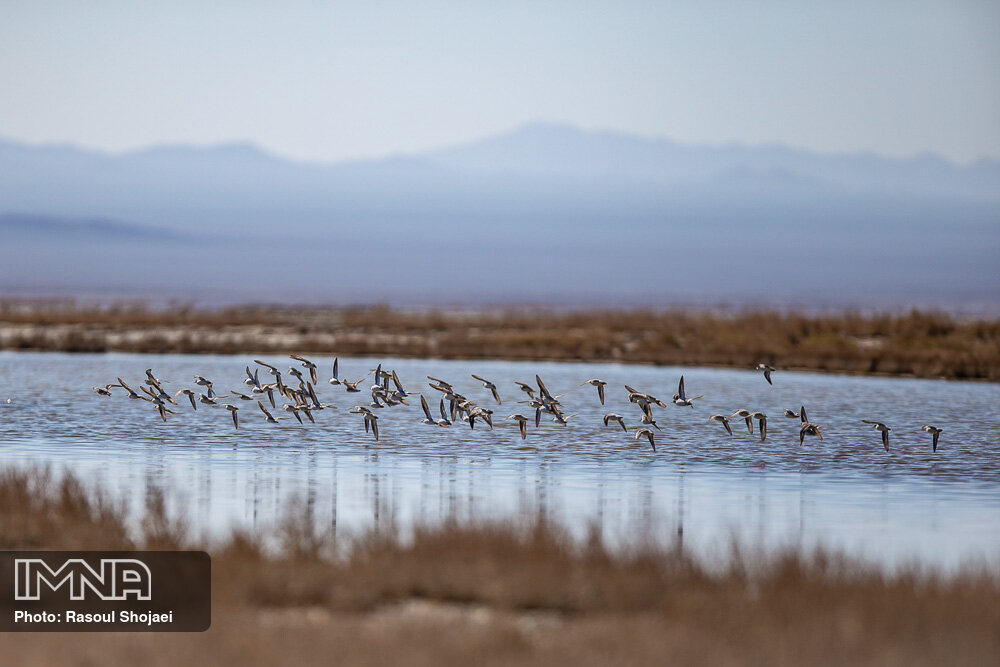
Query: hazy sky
333	80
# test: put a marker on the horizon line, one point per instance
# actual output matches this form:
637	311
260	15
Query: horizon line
268	152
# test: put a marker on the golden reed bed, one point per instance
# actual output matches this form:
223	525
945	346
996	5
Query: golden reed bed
511	594
920	344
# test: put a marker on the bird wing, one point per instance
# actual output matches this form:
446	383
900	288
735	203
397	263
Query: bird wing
312	394
680	389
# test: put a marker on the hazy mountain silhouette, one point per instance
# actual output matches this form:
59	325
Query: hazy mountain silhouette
41	228
545	212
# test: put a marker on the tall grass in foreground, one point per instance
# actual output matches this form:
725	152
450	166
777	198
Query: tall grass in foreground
521	593
923	344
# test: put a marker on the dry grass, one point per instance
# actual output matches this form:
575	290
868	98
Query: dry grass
507	594
914	344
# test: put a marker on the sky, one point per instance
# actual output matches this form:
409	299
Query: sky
331	81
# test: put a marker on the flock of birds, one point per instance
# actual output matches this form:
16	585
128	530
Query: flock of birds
387	391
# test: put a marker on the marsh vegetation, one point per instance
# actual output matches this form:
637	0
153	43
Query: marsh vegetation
520	592
914	343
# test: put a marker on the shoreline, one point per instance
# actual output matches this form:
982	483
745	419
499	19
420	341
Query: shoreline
916	344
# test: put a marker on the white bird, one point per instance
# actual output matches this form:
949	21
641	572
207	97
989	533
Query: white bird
190	395
611	416
131	392
163	410
427	413
352	387
233	409
253	379
767	372
400	393
594	382
307	364
745	414
724	420
647	419
807	428
761	423
680	398
934	431
444	422
561	419
526	388
645	432
150	378
335	380
543	391
293	410
489	385
208	400
879	426
371	420
267	415
522	424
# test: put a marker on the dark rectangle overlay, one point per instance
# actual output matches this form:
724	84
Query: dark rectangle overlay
105	591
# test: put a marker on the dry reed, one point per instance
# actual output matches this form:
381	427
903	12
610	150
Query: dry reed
506	594
920	344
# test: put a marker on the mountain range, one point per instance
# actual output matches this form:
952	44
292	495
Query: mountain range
544	213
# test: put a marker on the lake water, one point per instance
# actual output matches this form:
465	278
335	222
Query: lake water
844	492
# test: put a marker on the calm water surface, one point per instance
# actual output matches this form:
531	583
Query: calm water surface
844	492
